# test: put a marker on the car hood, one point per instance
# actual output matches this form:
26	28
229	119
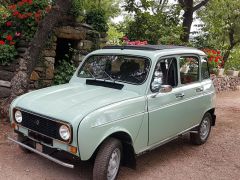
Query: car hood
71	102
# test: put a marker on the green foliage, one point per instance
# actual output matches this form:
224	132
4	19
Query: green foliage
77	8
221	17
114	36
97	18
234	60
7	54
66	69
160	28
64	72
110	7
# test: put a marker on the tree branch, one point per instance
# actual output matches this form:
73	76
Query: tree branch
198	6
181	2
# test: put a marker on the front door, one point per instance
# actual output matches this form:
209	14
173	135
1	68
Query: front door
171	113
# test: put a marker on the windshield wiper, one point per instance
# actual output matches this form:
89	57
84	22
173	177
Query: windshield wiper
113	80
91	74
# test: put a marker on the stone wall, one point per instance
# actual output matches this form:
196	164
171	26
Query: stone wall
226	83
85	38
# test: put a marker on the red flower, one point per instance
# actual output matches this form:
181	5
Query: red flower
29	14
145	42
17	34
218	52
15	13
214	52
30	1
20	3
216	59
25	1
2	42
210	59
12	7
9	24
12	43
9	38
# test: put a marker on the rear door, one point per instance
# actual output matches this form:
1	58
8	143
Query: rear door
192	89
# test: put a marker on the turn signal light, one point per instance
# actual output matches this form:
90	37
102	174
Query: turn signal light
14	126
72	149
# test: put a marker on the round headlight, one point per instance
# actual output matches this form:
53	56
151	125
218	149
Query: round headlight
18	116
64	132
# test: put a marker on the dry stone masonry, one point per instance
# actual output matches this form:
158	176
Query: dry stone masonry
226	83
84	38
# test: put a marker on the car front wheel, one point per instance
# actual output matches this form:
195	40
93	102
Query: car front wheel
203	130
108	159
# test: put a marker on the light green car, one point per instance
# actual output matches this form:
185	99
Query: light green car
121	102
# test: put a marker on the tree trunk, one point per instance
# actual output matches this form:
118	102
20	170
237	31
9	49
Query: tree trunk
187	23
232	42
26	65
189	9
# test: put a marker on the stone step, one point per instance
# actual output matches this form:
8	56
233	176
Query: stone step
5	83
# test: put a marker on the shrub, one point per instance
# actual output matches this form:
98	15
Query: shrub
97	18
7	54
215	60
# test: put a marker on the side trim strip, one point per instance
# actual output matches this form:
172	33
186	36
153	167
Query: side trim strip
42	154
156	145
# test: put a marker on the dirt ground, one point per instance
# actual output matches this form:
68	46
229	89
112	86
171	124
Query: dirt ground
218	159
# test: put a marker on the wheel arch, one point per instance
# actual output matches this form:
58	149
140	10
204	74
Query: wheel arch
127	144
212	112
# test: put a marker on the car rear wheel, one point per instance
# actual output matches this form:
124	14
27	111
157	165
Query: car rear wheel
203	130
108	159
25	140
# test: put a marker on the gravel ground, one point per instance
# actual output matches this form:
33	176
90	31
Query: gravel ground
218	159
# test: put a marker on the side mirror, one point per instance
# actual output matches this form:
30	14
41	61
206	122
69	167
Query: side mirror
165	89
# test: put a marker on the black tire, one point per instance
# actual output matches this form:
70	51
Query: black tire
25	140
101	165
198	138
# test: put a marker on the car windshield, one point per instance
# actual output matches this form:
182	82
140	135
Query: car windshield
128	69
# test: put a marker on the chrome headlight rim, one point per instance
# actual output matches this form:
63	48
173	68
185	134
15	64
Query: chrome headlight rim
18	116
64	128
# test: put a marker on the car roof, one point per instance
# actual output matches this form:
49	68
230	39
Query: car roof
150	51
146	47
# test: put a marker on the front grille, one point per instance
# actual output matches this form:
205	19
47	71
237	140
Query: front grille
40	138
41	125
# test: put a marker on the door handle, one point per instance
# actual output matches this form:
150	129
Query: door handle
200	89
180	95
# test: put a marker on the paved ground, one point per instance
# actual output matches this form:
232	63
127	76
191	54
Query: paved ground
218	159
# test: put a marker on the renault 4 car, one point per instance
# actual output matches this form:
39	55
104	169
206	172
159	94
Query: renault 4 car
121	102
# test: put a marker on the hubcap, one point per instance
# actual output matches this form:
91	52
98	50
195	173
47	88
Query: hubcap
205	128
114	164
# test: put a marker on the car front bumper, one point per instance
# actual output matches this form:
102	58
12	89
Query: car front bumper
42	154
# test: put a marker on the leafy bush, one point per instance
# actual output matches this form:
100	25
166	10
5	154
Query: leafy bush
66	68
64	72
77	8
7	54
233	62
97	18
215	60
21	19
161	28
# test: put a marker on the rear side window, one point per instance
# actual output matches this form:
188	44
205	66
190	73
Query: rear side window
189	69
204	71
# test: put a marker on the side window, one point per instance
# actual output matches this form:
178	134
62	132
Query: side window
204	71
165	73
189	69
